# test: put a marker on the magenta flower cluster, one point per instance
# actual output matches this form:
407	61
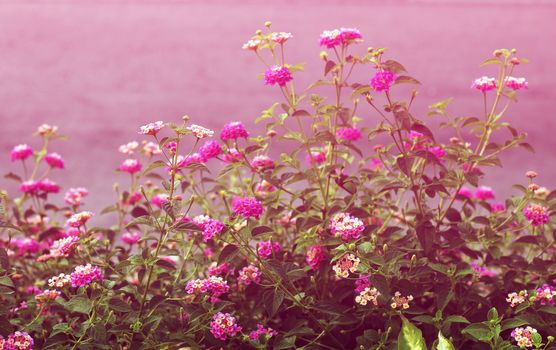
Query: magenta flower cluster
224	325
536	214
315	256
382	80
84	275
211	227
346	227
247	207
348	134
277	75
234	131
268	248
337	37
214	287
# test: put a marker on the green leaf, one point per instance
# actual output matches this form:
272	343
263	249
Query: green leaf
119	305
410	337
548	309
6	281
492	314
228	253
4	261
79	304
478	331
277	301
456	319
444	343
513	323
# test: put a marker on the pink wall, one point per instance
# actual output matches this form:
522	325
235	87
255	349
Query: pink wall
100	69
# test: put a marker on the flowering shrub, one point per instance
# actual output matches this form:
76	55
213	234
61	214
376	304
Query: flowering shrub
369	233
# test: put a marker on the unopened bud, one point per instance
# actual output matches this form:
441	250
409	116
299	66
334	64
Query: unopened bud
178	197
531	174
550	339
514	51
370	49
267	24
385	247
515	61
413	259
497	53
324	55
454	140
148	183
533	187
377	148
185	118
258	32
271	133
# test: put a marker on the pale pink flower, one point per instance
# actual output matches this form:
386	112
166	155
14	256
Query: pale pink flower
280	37
46	129
79	219
401	302
151	128
74	196
64	246
129	148
199	131
345	226
346	264
151	149
252	44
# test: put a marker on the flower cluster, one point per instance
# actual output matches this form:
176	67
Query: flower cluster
211	227
39	188
79	219
234	131
21	152
74	196
268	248
210	149
131	166
151	128
64	246
399	301
348	134
83	275
199	131
517	298
516	83
247	207
315	256
484	84
224	325
536	214
262	163
382	80
345	226
342	36
59	281
47	296
368	294
214	286
277	75
346	264
248	275
54	160
261	331
524	336
17	341
545	295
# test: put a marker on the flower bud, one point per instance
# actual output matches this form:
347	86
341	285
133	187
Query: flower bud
533	187
515	61
324	55
497	53
385	247
454	140
550	339
267	24
531	174
258	32
271	133
514	51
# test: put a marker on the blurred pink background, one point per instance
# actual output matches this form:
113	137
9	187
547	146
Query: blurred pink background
100	69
